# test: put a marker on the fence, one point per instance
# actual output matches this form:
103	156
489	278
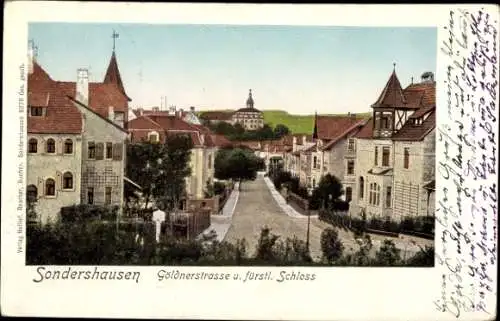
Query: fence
188	225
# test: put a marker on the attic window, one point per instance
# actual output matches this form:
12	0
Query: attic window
36	111
417	121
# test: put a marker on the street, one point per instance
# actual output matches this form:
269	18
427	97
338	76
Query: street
256	208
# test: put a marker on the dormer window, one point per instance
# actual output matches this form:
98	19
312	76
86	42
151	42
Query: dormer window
36	111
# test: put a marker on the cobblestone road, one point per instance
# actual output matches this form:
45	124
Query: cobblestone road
257	208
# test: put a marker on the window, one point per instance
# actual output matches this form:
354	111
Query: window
31	193
386	152
68	146
90	195
376	156
32	145
91	150
36	111
153	137
348	194
374	194
51	146
388	196
361	187
350	167
315	162
67	180
314	183
407	157
350	144
107	196
209	161
50	187
385	122
109	150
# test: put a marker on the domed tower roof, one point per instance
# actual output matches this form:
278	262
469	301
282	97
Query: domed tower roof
250	101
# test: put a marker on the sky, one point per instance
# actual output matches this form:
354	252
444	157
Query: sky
299	69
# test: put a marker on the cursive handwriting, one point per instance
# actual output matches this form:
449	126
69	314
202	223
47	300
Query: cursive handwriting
467	139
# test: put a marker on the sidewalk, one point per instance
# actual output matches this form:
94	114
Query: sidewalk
289	210
220	223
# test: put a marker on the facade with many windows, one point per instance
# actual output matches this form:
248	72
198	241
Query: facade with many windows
75	140
395	153
249	117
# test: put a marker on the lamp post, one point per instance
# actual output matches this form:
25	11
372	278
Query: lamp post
308	224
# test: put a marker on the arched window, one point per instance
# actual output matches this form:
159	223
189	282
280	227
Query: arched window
32	145
31	193
361	187
51	146
67	180
50	187
68	146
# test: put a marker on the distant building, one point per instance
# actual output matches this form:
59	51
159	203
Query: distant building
249	117
76	139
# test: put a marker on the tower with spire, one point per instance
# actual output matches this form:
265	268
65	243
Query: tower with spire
113	73
250	102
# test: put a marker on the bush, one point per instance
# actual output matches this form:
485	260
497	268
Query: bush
219	188
86	212
331	246
388	254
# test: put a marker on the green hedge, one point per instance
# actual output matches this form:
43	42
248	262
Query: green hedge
420	226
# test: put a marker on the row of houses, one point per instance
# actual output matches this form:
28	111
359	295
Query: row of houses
386	161
77	137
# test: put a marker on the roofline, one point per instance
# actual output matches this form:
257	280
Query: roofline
360	123
417	139
105	119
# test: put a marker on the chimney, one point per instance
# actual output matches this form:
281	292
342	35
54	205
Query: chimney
111	113
192	109
171	110
141	111
30	57
82	86
304	140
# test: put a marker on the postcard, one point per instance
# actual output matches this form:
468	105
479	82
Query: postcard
250	161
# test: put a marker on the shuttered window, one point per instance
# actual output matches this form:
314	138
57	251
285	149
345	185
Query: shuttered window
118	151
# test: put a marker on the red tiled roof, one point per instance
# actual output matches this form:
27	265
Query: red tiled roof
413	132
248	110
330	127
367	130
216	115
412	97
356	126
61	115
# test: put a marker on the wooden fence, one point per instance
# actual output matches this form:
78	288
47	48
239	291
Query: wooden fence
188	225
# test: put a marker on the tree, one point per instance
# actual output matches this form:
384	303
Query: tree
175	168
143	167
388	254
327	193
331	246
236	164
281	130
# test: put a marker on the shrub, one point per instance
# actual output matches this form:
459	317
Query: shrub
388	254
331	246
85	212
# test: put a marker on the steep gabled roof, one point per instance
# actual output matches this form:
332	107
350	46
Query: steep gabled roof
113	75
392	94
330	127
354	127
